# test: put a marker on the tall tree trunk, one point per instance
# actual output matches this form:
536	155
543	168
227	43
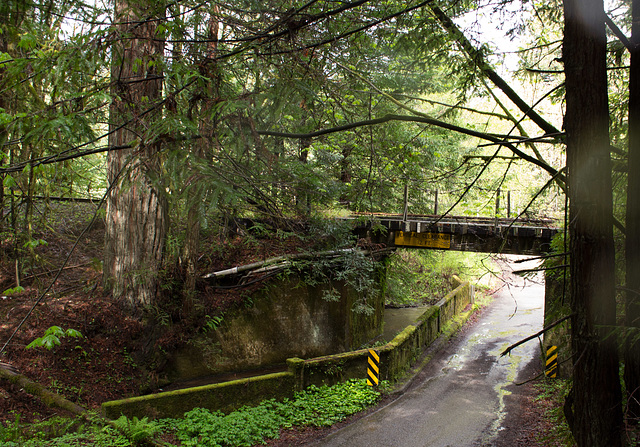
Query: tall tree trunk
597	413
136	220
632	248
11	19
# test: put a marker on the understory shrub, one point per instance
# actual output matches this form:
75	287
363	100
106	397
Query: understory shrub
423	277
248	426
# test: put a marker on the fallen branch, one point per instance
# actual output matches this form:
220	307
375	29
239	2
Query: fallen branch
541	269
542	374
619	34
59	199
536	335
49	272
554	255
35	389
9	367
55	400
285	261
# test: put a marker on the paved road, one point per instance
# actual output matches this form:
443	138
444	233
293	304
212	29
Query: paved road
461	401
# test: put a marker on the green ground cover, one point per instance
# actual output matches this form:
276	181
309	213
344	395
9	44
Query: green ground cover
313	407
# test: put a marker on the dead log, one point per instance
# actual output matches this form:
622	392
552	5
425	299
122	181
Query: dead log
37	390
285	260
55	400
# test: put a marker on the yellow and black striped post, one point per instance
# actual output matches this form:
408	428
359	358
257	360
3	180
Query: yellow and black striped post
551	369
373	368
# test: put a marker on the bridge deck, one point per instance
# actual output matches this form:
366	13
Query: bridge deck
491	235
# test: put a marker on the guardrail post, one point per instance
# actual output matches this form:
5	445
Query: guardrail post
295	365
373	368
551	362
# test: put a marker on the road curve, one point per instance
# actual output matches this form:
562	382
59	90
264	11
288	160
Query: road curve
461	400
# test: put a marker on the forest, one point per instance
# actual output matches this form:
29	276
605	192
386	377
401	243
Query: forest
135	134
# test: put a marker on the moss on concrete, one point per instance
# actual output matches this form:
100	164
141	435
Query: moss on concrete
396	358
288	318
296	367
227	396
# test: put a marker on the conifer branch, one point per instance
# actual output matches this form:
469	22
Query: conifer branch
481	63
418	119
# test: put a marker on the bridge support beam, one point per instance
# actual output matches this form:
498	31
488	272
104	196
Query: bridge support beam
488	236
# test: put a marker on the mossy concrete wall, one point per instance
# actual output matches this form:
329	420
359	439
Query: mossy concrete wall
397	355
395	358
286	319
226	397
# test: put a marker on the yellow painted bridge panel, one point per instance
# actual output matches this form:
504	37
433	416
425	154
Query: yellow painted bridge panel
430	240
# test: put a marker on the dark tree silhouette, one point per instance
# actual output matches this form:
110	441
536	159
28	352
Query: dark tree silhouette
632	249
596	417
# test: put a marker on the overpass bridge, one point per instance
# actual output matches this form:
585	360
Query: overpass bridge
477	234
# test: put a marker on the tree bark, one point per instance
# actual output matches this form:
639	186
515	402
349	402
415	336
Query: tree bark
11	20
136	219
632	241
597	413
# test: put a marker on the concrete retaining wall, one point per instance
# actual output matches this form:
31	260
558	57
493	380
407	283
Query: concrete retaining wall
226	397
286	318
395	358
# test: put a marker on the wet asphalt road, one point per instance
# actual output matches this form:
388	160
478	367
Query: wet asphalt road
461	399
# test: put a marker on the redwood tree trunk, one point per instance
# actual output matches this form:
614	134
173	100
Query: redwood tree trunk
632	248
597	413
136	219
